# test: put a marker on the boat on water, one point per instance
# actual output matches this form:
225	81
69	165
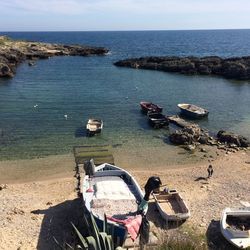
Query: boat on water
171	205
112	191
150	107
94	126
192	110
157	120
235	226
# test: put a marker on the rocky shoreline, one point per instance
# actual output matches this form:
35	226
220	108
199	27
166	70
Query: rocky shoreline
232	68
14	52
192	136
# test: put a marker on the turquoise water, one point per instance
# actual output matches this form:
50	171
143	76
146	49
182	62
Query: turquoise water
84	87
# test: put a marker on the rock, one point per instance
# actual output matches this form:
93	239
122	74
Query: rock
3	186
232	139
203	150
235	68
186	136
190	147
5	70
14	52
49	203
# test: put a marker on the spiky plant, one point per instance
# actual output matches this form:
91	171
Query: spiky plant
96	240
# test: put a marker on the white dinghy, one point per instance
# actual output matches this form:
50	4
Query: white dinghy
235	226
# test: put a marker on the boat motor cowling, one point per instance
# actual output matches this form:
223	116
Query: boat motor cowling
154	182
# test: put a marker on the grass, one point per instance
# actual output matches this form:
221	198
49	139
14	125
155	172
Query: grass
183	238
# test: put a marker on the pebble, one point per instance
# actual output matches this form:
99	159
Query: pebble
3	186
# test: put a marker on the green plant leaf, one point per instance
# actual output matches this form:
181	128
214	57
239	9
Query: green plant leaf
92	243
83	241
105	224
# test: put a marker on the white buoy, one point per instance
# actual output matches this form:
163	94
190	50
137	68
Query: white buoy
66	117
36	105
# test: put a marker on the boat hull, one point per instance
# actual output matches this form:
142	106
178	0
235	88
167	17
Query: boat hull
150	107
238	237
193	111
157	120
114	192
94	126
171	206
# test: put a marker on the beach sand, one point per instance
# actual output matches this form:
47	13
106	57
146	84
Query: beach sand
40	200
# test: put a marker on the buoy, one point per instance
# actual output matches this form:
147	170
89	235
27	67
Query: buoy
36	105
66	117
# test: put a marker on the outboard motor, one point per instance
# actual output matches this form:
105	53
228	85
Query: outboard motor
154	182
89	167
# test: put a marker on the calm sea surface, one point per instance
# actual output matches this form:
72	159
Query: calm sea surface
84	87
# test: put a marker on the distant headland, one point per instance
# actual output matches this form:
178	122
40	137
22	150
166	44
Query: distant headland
231	68
13	52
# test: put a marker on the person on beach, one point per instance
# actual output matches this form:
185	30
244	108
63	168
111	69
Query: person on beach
210	171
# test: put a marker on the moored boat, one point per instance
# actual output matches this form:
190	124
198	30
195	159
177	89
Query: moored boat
235	226
157	120
150	107
94	126
192	110
110	190
171	205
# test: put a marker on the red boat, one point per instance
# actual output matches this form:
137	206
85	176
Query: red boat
150	107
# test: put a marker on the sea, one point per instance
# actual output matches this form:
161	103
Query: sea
33	103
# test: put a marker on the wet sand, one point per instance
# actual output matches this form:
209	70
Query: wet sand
147	158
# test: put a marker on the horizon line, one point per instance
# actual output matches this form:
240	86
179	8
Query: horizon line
142	30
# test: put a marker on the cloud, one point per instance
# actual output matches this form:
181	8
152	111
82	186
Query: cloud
74	7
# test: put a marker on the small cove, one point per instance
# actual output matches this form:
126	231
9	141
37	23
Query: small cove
82	87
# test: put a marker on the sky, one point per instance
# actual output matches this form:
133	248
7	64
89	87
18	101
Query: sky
97	15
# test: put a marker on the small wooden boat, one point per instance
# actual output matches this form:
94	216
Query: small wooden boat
150	107
110	190
94	126
171	205
157	120
235	226
192	110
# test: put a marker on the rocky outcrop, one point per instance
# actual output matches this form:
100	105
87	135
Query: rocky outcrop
186	136
232	140
192	135
234	68
14	52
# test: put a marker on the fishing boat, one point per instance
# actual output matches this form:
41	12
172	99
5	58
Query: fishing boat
94	126
157	120
150	107
110	190
192	110
235	226
171	205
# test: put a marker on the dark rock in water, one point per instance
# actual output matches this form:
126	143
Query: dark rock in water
5	70
232	139
234	68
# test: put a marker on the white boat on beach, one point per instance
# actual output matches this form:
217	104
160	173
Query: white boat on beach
110	190
235	226
171	205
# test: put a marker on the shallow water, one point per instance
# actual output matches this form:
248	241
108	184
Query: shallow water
84	87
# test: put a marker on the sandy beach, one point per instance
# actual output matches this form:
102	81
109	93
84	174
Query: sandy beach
39	205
